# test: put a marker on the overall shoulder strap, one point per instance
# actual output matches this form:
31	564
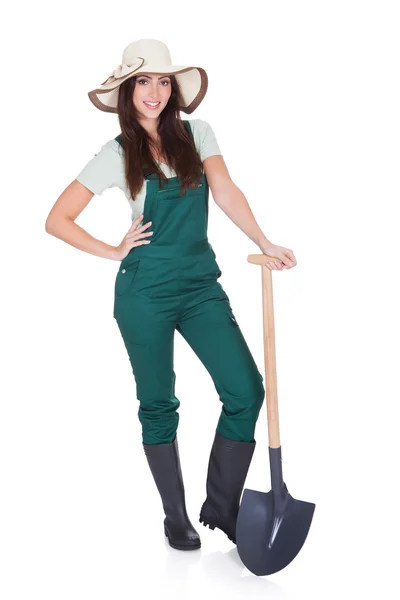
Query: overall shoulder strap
188	127
120	140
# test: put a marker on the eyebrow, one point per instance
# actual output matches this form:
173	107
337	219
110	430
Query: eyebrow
148	77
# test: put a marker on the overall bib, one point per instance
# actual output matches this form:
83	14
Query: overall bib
172	283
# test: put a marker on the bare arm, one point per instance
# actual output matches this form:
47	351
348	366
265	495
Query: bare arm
231	199
60	222
234	204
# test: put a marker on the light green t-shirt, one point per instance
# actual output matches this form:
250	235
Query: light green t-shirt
106	169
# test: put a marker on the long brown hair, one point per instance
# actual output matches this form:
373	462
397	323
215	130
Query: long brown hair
176	144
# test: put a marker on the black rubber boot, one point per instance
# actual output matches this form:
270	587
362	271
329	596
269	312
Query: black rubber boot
165	466
227	470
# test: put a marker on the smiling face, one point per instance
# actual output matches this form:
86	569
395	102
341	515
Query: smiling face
151	89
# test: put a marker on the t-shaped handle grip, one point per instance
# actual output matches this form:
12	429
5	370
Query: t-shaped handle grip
261	259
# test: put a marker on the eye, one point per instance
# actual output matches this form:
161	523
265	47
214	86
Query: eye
163	82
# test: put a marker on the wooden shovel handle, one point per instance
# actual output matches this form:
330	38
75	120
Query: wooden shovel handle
269	347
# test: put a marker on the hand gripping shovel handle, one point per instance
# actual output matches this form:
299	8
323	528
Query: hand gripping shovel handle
275	456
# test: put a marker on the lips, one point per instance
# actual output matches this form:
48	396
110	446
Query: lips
150	106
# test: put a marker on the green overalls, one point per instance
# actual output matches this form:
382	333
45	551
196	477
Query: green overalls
171	284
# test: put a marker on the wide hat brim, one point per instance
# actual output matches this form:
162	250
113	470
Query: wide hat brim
192	81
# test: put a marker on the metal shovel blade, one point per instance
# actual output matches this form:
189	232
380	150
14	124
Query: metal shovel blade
271	529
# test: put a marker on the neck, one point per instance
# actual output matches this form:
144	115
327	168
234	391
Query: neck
151	126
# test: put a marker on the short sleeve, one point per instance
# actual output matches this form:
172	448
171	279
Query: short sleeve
102	171
206	141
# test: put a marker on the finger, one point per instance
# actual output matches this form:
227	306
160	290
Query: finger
138	236
136	221
145	226
140	229
291	256
140	243
138	218
286	258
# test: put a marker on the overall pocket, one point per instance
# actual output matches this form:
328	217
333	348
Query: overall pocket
125	277
174	188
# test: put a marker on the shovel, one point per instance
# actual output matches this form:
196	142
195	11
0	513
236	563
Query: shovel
272	527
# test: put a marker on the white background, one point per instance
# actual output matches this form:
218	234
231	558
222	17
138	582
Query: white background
304	101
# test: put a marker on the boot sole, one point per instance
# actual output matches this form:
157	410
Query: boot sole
213	526
178	547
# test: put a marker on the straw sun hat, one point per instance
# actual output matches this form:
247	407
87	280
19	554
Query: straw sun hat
151	56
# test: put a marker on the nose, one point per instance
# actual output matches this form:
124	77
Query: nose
153	91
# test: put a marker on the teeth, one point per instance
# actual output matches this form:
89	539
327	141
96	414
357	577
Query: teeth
152	103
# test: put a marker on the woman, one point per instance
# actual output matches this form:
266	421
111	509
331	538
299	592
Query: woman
167	278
